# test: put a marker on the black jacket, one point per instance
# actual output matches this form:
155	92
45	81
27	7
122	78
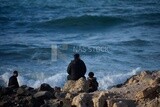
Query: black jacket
13	83
76	69
93	84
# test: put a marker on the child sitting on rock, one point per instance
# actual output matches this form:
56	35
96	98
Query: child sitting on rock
93	84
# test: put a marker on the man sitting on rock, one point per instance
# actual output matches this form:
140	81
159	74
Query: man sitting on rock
76	69
13	83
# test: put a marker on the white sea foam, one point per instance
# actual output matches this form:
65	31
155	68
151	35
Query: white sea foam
54	80
59	79
5	77
112	79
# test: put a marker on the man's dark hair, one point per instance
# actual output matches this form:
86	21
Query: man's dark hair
91	74
76	56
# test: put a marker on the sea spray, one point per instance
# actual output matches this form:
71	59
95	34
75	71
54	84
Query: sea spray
111	79
59	79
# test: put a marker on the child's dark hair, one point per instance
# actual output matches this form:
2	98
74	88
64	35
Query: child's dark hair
91	74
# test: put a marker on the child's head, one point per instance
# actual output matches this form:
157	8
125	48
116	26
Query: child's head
91	74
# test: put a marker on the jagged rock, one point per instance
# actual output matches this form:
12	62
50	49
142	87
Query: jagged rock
69	85
146	92
125	96
5	104
21	91
120	104
143	76
131	81
30	101
87	100
58	93
6	91
100	101
27	88
145	73
110	102
44	105
57	103
80	85
43	95
25	91
70	95
82	100
46	87
153	103
53	103
57	89
156	81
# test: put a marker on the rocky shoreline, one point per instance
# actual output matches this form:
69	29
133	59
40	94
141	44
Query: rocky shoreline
141	90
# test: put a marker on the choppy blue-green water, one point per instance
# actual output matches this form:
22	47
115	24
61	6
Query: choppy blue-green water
116	39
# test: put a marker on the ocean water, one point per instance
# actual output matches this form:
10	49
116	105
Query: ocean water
115	38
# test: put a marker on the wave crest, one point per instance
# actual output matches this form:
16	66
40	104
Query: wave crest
83	21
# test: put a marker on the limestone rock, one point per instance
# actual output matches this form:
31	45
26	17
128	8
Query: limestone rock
29	88
43	95
100	101
60	95
69	85
53	103
70	95
110	102
40	97
153	103
82	100
146	92
120	104
6	91
88	100
46	87
80	85
156	81
21	91
5	104
145	73
132	80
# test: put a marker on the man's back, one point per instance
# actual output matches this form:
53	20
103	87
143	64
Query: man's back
13	83
76	69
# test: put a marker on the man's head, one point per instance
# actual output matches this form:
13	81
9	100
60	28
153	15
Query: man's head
15	73
76	56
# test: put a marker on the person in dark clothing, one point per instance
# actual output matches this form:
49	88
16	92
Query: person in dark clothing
93	84
13	83
76	69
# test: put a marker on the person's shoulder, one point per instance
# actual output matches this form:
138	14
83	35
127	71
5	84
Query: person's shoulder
12	77
81	61
94	78
88	78
72	61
